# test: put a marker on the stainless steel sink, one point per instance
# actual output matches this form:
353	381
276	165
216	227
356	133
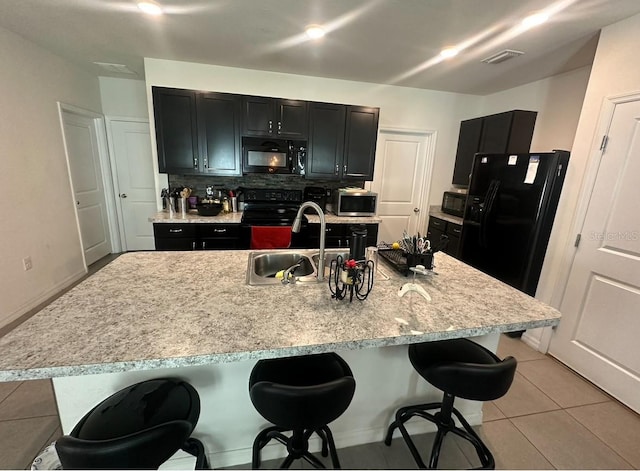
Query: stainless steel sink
263	265
268	264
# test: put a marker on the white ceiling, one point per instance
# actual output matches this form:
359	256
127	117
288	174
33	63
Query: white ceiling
381	41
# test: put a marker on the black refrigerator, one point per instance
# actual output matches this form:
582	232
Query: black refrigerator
509	212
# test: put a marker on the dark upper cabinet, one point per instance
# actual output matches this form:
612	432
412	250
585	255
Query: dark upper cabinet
219	116
197	132
509	132
468	145
342	141
360	142
274	117
176	130
326	140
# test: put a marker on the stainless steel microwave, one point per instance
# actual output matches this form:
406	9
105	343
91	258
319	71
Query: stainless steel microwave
349	202
273	156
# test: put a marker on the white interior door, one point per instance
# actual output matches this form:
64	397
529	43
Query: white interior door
401	179
600	328
81	144
131	151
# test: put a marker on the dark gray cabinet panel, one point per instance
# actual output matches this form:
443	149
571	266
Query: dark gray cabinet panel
342	141
326	140
219	133
274	117
176	130
508	132
439	230
360	142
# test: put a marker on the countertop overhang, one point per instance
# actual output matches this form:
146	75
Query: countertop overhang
148	310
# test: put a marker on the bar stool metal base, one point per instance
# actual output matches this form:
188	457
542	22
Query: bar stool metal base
444	420
297	446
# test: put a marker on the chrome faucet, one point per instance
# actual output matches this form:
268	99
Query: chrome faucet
297	222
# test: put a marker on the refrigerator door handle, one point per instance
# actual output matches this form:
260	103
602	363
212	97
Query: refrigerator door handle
488	207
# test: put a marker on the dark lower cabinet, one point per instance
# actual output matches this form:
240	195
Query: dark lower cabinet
203	236
222	237
175	236
200	236
440	231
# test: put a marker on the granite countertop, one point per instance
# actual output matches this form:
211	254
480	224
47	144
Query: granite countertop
227	218
149	310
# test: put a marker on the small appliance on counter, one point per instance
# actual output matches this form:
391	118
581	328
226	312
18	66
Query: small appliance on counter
453	203
316	194
354	202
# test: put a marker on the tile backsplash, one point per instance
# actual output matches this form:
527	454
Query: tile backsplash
198	183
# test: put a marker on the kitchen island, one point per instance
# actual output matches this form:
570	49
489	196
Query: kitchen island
192	315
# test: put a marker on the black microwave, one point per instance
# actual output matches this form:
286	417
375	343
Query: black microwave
280	156
453	203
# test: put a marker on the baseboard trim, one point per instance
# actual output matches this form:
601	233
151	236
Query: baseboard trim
31	307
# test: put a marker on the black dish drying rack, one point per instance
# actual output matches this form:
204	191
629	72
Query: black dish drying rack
401	260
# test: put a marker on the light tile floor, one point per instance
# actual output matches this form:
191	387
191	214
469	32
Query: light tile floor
551	418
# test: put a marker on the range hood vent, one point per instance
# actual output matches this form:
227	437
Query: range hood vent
502	56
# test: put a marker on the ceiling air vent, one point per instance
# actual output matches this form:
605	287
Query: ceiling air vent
502	56
115	68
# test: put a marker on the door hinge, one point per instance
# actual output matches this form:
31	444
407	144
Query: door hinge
603	144
577	242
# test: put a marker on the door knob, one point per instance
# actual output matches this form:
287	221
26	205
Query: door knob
123	195
78	203
416	210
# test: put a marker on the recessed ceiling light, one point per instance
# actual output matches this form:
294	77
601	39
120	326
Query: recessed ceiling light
314	31
535	20
150	8
449	52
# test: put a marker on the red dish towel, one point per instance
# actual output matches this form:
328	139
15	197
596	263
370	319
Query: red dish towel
270	237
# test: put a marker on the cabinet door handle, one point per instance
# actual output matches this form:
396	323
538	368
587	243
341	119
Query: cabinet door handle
337	168
193	245
457	231
175	231
206	161
195	162
279	127
220	231
270	126
344	169
204	245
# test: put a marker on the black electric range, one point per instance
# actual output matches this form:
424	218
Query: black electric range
270	207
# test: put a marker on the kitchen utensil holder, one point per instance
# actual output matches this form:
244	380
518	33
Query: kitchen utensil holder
350	278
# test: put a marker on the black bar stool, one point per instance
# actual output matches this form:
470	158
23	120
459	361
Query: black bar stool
140	426
460	368
301	395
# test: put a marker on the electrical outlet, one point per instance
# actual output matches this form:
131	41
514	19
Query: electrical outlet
28	264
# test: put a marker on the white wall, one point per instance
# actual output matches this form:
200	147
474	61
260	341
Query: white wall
123	98
38	215
558	101
400	107
615	71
